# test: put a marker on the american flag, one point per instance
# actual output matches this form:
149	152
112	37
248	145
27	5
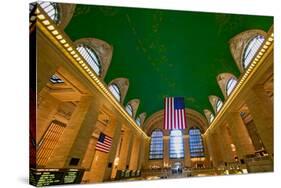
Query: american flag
174	115
104	143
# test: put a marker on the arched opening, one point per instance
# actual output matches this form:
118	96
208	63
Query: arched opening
156	145
51	9
196	147
91	57
231	83
251	49
176	145
129	109
115	91
218	105
138	121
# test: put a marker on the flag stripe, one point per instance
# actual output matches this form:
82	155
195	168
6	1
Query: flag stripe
174	113
104	143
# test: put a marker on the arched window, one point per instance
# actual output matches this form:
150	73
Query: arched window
138	121
176	144
129	109
251	49
51	9
218	105
91	57
156	145
211	117
196	147
115	91
231	83
55	79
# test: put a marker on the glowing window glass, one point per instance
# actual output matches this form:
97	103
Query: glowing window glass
90	56
176	144
231	83
55	79
211	118
138	121
218	105
196	147
115	91
251	49
129	109
51	10
156	145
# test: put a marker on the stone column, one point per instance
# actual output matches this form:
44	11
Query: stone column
130	148
166	157
206	151
83	138
187	160
146	153
125	150
82	116
112	154
101	169
209	147
141	153
225	143
219	153
135	152
261	109
240	136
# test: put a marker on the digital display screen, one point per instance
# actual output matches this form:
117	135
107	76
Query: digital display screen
45	177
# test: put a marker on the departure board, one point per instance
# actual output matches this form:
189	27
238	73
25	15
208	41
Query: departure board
45	177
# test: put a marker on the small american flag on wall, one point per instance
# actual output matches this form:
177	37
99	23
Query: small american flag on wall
104	143
174	114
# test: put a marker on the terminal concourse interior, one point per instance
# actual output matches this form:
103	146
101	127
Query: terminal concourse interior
101	82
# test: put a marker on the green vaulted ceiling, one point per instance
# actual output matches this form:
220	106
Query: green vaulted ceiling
165	52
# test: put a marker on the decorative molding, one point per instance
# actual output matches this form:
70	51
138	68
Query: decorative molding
66	12
208	114
142	117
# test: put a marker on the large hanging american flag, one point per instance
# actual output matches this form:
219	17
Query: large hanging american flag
104	143
174	114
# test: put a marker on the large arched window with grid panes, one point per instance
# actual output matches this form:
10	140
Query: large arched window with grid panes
251	49
114	89
156	145
51	9
129	109
230	85
91	57
196	147
218	105
176	144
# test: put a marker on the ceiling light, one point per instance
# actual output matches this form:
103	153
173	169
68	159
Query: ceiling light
62	41
41	17
55	32
51	27
59	37
46	22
